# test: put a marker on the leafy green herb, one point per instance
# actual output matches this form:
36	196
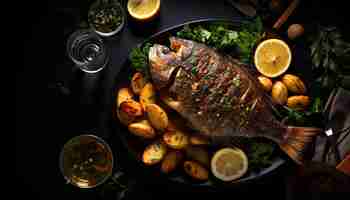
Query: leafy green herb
331	58
236	81
260	154
139	58
194	71
222	37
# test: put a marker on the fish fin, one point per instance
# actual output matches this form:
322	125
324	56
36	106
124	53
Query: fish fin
297	141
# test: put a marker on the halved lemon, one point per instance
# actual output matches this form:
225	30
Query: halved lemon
229	164
272	57
143	9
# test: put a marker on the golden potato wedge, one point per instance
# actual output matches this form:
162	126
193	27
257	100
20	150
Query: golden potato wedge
176	139
147	95
196	171
157	116
171	160
132	108
124	94
138	81
154	153
124	118
198	154
142	129
199	140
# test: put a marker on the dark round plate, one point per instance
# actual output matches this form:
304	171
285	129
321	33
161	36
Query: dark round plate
135	146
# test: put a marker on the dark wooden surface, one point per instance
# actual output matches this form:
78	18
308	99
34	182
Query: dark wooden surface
55	102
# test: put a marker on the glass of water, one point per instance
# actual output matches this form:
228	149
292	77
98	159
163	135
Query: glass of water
87	50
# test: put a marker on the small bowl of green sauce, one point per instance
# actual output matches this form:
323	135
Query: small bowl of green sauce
106	17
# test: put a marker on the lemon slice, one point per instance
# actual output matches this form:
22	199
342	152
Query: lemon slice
272	57
143	9
229	164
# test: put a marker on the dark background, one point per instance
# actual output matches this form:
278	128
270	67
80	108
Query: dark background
55	102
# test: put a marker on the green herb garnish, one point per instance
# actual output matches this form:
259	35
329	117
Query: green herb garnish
194	71
139	58
331	58
236	81
222	37
260	155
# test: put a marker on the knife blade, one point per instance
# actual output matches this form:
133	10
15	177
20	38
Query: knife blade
243	7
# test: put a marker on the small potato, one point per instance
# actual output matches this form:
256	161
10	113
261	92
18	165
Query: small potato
154	153
266	83
198	154
147	95
299	102
124	94
279	93
124	118
142	129
132	108
157	116
176	139
196	170
138	81
199	140
171	161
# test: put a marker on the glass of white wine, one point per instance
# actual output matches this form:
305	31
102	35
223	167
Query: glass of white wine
86	161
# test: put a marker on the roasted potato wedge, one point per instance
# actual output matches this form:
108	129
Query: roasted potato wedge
171	160
138	81
199	140
142	129
154	153
196	171
124	118
198	154
124	94
132	108
157	116
147	95
176	139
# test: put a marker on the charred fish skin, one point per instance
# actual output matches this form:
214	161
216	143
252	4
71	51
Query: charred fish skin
220	98
216	89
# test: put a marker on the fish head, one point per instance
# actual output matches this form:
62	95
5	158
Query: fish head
163	62
182	47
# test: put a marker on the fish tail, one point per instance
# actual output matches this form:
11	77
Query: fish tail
297	140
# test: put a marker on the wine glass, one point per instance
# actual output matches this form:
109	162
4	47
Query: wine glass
86	161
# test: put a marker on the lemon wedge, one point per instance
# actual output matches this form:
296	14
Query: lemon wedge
272	57
229	164
143	9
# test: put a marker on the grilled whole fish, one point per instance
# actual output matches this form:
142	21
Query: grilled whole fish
219	96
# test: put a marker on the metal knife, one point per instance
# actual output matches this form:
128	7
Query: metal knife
244	7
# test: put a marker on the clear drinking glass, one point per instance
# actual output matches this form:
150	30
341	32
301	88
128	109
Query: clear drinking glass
86	161
87	50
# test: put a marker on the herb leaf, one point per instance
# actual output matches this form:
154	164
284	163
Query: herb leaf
139	58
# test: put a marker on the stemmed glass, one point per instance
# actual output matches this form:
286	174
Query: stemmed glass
86	161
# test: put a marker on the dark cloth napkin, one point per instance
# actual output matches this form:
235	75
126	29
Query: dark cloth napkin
332	146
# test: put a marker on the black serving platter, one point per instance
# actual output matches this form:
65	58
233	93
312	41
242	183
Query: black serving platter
135	145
